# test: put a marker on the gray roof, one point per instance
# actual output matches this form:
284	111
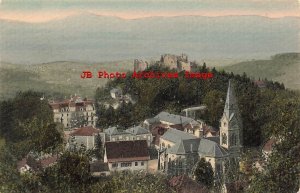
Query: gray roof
214	138
115	131
185	146
114	90
174	119
138	130
175	135
111	131
152	120
211	149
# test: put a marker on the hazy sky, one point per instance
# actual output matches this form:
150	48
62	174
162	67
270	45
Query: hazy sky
46	10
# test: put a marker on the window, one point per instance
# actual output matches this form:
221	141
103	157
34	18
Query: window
224	124
163	144
224	138
136	163
127	164
142	163
115	165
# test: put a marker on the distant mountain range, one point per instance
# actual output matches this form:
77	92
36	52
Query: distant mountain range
95	38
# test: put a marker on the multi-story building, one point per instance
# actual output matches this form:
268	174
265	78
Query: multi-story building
74	112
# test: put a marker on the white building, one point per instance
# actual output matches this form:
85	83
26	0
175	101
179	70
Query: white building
127	155
86	136
74	112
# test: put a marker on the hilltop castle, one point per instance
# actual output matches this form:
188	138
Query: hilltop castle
176	62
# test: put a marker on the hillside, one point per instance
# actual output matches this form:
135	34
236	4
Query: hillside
283	68
55	77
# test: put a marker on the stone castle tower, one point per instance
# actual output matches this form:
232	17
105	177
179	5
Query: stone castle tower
231	124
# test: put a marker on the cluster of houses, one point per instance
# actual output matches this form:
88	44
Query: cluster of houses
180	141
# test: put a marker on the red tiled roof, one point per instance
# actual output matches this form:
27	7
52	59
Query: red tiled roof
48	161
85	131
269	145
21	163
127	151
71	103
260	83
212	130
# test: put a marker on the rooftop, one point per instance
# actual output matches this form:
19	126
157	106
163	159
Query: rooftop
174	119
175	135
85	131
127	151
138	130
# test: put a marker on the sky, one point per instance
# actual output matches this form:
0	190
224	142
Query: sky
35	11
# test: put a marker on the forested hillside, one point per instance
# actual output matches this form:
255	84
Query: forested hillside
283	68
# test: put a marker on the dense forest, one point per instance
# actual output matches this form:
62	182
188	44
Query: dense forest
26	124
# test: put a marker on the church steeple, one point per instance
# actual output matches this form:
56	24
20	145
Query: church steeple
231	125
231	104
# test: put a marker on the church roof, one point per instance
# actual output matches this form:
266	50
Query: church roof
185	146
175	135
211	149
137	130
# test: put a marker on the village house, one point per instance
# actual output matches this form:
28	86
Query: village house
268	147
116	93
86	136
74	112
33	163
127	155
130	134
99	168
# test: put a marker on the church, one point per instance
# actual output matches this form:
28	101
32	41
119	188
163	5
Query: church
179	151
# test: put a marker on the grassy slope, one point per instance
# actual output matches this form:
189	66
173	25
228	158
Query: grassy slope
282	68
59	77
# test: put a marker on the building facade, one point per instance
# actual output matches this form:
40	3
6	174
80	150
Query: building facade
127	155
74	112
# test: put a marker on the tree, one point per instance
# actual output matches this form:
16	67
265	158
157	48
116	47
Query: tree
204	173
215	105
99	150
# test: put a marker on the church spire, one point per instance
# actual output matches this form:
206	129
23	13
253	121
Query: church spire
231	123
231	103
